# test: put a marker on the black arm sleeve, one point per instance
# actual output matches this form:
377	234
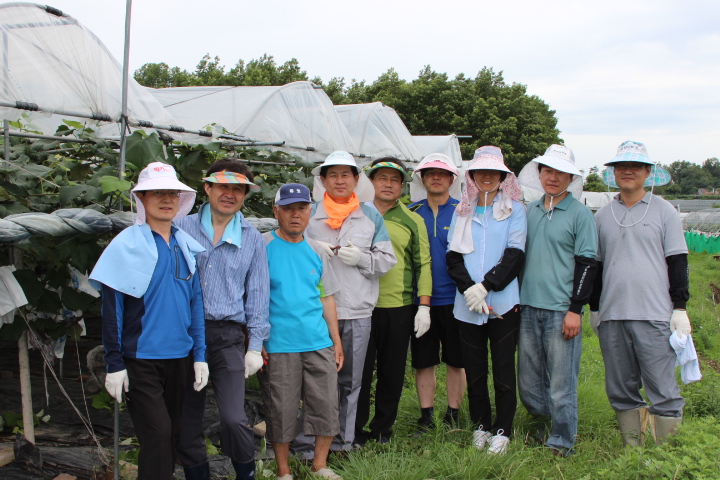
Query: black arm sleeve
597	289
678	275
458	272
585	268
507	269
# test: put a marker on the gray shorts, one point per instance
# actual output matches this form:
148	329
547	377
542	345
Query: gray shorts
307	376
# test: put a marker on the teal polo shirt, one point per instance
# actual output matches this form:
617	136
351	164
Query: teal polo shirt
552	245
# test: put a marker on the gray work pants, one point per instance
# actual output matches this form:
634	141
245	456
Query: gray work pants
637	353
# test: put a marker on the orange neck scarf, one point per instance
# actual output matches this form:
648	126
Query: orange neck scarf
338	212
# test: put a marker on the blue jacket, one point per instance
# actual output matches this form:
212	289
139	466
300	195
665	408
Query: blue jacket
443	292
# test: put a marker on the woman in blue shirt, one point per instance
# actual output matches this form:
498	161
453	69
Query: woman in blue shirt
485	256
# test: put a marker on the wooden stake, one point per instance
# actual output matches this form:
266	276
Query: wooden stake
26	389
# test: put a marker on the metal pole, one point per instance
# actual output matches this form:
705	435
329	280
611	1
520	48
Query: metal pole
6	126
116	443
123	111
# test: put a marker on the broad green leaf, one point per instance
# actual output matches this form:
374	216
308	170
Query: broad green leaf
68	194
80	172
114	184
30	284
49	302
73	123
75	300
142	151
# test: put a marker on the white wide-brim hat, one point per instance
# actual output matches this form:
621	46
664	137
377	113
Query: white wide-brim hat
558	157
630	151
364	189
161	176
434	160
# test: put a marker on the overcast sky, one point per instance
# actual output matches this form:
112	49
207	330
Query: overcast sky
613	71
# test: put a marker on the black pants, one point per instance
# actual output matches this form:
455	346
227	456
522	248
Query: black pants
503	337
226	360
154	401
389	339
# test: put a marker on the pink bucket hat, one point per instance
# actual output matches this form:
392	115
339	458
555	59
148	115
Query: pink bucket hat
487	158
434	160
161	176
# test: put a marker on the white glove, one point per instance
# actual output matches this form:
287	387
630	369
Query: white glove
253	362
350	255
595	322
475	299
327	248
680	322
202	372
475	295
115	383
422	321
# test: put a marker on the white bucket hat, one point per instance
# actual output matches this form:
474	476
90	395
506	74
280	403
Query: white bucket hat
630	151
161	176
364	190
434	160
558	157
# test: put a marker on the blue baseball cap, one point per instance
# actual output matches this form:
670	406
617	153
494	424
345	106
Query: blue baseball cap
292	193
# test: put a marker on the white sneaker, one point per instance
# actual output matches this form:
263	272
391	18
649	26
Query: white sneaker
498	444
481	438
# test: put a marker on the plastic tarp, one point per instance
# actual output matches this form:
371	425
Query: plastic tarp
445	144
595	200
299	114
49	59
701	243
378	131
705	221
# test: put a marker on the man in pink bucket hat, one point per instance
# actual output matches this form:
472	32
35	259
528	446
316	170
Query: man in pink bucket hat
436	191
153	321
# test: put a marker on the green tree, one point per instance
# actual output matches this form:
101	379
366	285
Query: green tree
712	166
485	107
593	182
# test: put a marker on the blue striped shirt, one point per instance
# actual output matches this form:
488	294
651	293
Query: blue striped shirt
235	280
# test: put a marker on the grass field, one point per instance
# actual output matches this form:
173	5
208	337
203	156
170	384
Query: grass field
448	454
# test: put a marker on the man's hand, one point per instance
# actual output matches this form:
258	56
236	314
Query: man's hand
339	356
202	372
115	383
329	250
571	325
680	322
350	255
422	321
253	362
595	322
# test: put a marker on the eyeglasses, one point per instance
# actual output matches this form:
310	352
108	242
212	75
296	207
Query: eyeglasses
165	193
629	166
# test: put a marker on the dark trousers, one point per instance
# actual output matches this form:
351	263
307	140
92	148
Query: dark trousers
503	337
226	360
389	339
154	401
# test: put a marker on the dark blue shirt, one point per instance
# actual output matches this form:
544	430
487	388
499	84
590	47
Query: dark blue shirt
438	227
167	322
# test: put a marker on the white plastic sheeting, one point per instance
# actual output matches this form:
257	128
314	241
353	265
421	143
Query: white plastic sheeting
49	59
378	131
445	144
299	114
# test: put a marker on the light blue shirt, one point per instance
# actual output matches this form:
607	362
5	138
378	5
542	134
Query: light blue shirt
128	263
234	279
300	276
490	239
